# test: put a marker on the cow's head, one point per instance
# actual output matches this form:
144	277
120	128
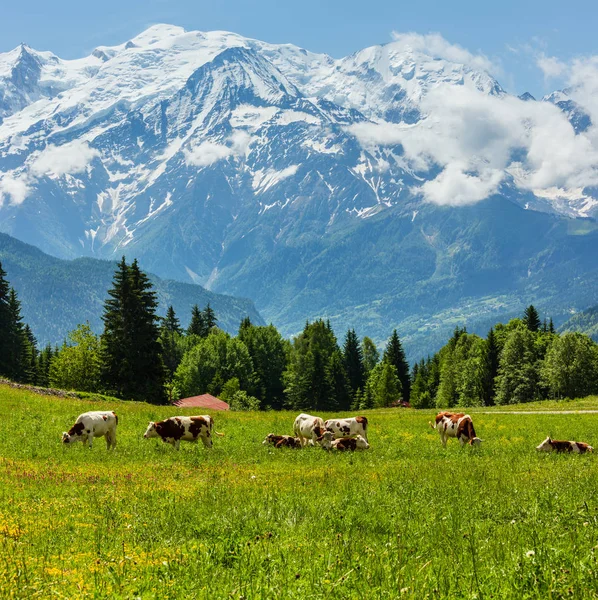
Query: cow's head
151	431
361	443
545	446
74	434
476	441
269	439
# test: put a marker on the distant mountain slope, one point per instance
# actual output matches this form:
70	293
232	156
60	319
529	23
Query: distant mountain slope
400	186
584	322
59	294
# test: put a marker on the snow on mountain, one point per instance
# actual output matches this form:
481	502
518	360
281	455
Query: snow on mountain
203	153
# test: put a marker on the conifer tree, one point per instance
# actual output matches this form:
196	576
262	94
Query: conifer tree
18	347
531	318
131	362
551	328
492	361
171	322
197	325
209	318
395	356
5	325
353	361
338	384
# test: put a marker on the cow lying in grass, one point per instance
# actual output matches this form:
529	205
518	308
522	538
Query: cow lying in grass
327	441
344	428
282	441
188	429
550	445
91	425
457	425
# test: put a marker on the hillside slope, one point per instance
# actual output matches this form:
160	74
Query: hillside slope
57	294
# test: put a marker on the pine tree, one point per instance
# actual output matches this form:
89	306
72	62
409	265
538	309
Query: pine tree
395	356
5	325
531	318
30	356
17	361
492	361
209	318
170	322
197	325
338	384
353	361
131	362
551	328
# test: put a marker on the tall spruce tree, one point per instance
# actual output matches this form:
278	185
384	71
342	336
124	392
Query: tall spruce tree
170	338
492	362
18	360
531	318
171	322
209	318
353	361
197	324
5	325
338	383
131	362
395	356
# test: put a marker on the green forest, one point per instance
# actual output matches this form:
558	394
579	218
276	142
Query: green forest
140	356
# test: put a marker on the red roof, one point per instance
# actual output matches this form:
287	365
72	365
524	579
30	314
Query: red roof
203	401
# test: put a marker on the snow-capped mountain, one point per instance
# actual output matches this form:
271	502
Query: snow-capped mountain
269	171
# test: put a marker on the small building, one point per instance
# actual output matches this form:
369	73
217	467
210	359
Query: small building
206	401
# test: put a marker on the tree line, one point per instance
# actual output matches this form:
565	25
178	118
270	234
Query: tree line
140	356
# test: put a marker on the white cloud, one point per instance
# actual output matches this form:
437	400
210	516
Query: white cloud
436	46
72	157
551	66
479	139
206	154
457	188
13	189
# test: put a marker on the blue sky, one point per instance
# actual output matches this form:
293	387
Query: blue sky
511	32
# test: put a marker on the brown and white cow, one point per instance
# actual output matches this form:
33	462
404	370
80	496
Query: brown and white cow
345	428
327	441
188	429
90	425
550	445
282	441
457	425
308	428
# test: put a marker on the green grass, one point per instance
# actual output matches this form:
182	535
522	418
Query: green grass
405	519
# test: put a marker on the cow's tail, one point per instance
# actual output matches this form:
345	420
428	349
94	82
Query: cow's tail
115	416
432	425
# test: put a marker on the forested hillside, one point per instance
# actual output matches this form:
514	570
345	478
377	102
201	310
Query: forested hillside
57	295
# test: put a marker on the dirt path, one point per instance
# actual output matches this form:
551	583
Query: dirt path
537	412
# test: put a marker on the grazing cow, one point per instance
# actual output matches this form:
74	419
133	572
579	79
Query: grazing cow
188	429
91	425
344	428
308	428
549	445
457	425
282	441
328	442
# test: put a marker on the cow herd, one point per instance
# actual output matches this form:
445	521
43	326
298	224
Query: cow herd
334	434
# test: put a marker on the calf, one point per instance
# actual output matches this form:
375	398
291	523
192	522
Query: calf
308	428
91	425
457	425
345	428
188	429
549	445
328	442
280	441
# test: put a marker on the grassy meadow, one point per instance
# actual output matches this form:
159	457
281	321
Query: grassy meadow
405	519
